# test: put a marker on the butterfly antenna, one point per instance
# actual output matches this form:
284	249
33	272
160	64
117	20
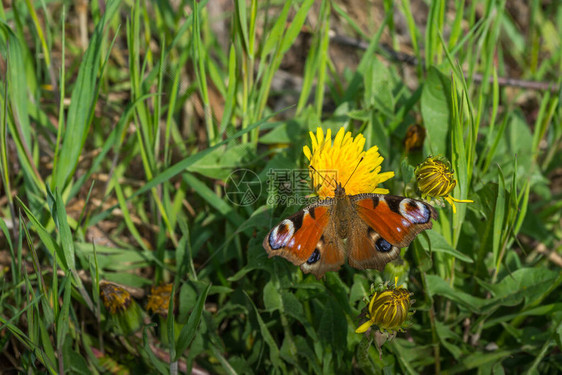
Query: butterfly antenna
324	178
349	178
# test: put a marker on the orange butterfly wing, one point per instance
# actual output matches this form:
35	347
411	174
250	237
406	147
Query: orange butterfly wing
367	249
296	237
397	220
307	240
383	225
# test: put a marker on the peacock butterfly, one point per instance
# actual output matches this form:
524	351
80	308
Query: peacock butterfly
369	229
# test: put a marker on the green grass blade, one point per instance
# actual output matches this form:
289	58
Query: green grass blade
499	219
188	331
81	104
51	245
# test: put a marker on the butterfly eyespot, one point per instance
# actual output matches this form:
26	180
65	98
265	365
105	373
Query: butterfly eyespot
383	245
281	234
315	257
416	212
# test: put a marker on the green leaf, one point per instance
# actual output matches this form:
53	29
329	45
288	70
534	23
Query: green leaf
437	243
188	331
437	286
271	297
378	88
51	245
276	32
530	283
6	232
149	356
17	95
266	336
296	26
332	330
63	318
82	103
536	311
499	216
242	24
17	78
180	167
479	359
445	333
436	111
211	197
61	221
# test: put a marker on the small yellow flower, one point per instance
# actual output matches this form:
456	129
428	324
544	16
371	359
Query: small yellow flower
340	162
388	310
115	298
159	299
124	313
436	179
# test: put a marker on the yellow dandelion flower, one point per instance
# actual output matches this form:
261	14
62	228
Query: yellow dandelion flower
159	299
344	161
436	179
115	298
124	313
388	310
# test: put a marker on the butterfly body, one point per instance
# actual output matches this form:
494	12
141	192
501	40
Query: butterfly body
368	229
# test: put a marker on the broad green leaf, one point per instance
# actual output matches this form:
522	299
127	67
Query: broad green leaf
536	311
285	132
378	88
436	111
438	244
333	327
17	92
271	297
437	286
17	79
74	362
478	359
530	283
220	163
445	333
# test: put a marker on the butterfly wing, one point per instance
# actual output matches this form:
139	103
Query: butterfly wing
384	224
368	249
329	254
396	219
307	239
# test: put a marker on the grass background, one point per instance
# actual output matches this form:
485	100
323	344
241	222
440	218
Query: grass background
120	122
